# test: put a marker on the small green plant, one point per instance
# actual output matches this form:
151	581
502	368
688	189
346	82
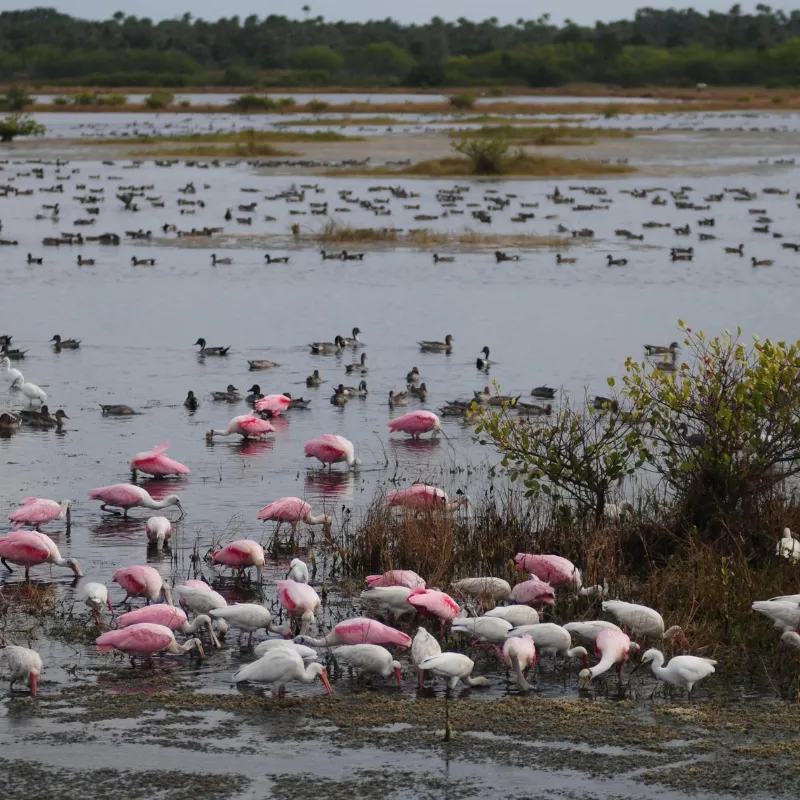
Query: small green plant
284	103
60	100
488	156
185	103
610	112
17	124
111	99
317	106
252	102
462	101
83	99
17	97
158	100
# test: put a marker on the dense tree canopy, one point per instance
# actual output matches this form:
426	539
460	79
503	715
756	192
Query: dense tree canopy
666	47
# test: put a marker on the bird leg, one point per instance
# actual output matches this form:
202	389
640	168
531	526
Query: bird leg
27	574
421	678
250	639
6	565
104	507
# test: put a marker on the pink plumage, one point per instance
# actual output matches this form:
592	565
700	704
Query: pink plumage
159	614
142	639
274	404
416	423
155	462
331	449
246	425
362	630
556	570
437	604
533	592
297	598
240	555
193	584
419	495
36	511
30	548
121	495
140	580
287	509
397	577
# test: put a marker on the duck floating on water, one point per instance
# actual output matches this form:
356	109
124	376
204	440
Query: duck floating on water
437	347
211	351
65	344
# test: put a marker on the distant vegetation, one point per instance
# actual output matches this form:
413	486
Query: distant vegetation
668	48
17	124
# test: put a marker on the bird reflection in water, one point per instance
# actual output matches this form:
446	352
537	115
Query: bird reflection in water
329	484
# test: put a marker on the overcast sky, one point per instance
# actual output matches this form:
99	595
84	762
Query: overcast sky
582	11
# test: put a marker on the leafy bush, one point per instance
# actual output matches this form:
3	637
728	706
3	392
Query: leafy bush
186	103
462	101
488	156
286	102
111	99
17	124
158	100
317	106
252	102
60	100
83	99
17	97
610	112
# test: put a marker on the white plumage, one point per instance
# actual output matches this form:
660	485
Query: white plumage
423	646
454	667
588	630
516	615
495	588
200	601
391	599
31	390
784	613
298	571
24	666
788	547
248	618
683	671
486	629
370	658
306	653
279	667
641	620
551	639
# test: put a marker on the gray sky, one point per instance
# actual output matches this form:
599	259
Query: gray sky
582	11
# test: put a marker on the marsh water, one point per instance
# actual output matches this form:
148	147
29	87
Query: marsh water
568	326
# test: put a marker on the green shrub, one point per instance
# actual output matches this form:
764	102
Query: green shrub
488	156
252	102
17	124
185	103
317	106
159	99
17	97
610	112
60	100
83	99
462	101
286	102
111	99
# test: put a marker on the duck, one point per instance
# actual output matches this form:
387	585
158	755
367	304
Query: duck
8	422
255	394
656	349
314	379
297	402
143	262
230	395
413	376
437	347
358	366
398	398
217	261
117	410
420	392
674	256
533	409
15	354
500	256
544	392
65	344
354	341
273	260
340	396
735	251
85	262
616	262
32	260
336	346
437	259
259	364
191	402
763	263
352	256
561	260
331	256
483	363
45	420
211	351
357	391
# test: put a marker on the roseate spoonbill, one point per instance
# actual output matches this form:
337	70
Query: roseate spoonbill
416	423
519	654
359	630
268	645
396	577
30	548
371	659
454	667
141	580
144	640
517	614
557	571
294	511
484	588
13	375
248	618
23	665
436	604
31	390
533	592
127	496
331	449
247	426
788	547
423	646
784	613
298	571
613	647
790	640
199	598
95	596
299	600
240	555
37	511
643	621
156	463
391	599
685	671
485	629
158	530
170	617
279	667
424	497
551	638
437	347
273	404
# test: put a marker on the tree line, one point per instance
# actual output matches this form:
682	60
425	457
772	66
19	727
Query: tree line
671	47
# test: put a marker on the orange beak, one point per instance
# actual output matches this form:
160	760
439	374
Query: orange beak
33	679
326	683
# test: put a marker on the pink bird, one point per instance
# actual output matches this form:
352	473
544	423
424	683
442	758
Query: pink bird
127	496
436	604
144	640
273	404
156	463
416	423
331	449
31	548
141	580
158	530
300	600
359	630
170	617
555	570
396	577
519	653
294	511
426	498
240	555
247	426
37	512
614	647
533	592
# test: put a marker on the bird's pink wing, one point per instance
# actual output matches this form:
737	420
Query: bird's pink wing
122	494
324	449
158	614
161	465
254	425
274	403
234	554
288	509
35	511
22	549
156	451
138	638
